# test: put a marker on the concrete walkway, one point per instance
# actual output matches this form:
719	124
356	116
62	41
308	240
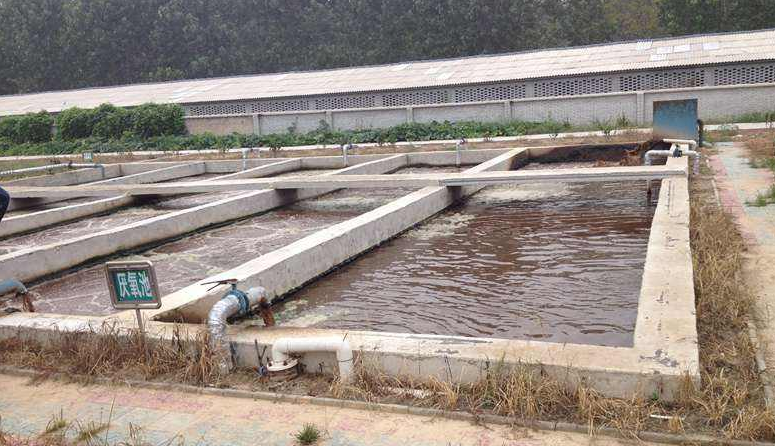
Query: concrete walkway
214	420
738	183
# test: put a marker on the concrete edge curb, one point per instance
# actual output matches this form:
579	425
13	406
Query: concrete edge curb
658	437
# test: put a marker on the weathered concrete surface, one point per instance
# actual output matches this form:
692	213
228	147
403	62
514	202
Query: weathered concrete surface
79	176
366	181
158	175
36	262
666	328
738	183
41	219
27	408
70	177
264	171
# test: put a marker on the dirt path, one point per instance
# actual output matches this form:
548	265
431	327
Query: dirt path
738	183
27	408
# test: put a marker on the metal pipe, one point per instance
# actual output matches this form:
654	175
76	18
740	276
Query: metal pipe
345	149
234	304
459	151
245	152
51	167
282	349
12	286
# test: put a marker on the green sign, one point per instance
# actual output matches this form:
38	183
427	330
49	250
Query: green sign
132	285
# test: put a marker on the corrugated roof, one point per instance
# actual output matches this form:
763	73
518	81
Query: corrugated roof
609	58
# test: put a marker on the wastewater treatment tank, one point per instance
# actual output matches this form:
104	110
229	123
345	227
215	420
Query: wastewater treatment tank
551	262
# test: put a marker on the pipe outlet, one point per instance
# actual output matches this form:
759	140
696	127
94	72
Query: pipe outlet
284	347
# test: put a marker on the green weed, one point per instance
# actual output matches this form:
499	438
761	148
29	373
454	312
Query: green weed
309	434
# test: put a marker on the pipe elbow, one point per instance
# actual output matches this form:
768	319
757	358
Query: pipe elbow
282	349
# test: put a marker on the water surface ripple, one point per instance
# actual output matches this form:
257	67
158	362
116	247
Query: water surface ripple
559	263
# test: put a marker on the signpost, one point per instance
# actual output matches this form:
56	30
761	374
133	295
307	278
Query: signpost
133	286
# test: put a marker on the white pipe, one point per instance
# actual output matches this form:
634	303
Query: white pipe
282	349
690	142
50	167
674	151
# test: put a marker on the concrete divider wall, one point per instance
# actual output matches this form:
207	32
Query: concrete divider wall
69	178
36	262
37	220
266	170
472	156
159	175
665	328
297	263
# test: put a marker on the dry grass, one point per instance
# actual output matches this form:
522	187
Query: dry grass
728	403
61	432
114	353
761	146
761	149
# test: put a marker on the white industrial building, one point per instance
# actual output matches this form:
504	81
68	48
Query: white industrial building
729	74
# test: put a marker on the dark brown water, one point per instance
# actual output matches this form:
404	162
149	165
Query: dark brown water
559	263
182	262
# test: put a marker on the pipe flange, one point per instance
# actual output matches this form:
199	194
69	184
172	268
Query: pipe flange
275	367
283	371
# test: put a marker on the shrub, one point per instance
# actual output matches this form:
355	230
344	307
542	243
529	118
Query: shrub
34	127
150	120
111	122
75	123
8	128
29	128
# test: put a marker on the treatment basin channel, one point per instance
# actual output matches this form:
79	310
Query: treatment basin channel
122	216
184	261
550	262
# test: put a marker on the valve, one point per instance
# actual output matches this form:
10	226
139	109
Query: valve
264	305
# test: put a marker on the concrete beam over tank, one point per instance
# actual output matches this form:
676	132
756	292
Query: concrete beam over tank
368	181
32	263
